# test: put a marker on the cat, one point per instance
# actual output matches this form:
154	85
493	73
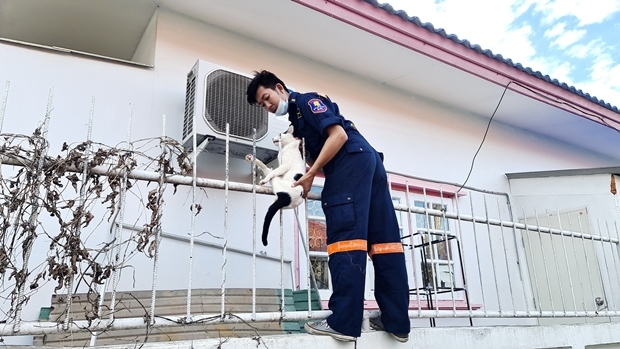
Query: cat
291	168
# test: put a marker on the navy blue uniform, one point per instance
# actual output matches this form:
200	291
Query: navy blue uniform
360	220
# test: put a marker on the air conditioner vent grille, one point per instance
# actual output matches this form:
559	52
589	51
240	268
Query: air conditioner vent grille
226	102
190	97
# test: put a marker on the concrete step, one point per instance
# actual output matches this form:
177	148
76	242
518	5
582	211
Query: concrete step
171	302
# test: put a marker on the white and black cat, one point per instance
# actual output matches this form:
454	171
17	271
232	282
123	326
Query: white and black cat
291	168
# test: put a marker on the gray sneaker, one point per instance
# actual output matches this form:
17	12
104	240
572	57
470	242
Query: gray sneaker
323	329
377	325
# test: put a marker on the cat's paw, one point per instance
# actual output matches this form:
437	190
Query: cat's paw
249	157
263	181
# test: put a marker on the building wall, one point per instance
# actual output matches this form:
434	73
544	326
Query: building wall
417	136
601	336
593	196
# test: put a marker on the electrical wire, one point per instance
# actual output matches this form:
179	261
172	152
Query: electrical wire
473	160
570	105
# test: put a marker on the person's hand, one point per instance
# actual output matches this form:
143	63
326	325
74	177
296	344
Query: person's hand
306	183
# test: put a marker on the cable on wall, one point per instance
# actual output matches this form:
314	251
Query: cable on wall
570	105
473	160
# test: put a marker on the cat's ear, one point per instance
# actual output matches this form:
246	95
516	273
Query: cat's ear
290	129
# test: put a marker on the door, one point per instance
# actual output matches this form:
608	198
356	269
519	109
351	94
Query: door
555	262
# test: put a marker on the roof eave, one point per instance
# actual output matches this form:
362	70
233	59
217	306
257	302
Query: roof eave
450	50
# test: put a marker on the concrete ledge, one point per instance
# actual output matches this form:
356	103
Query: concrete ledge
582	336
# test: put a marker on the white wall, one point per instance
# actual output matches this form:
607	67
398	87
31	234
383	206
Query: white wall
602	336
566	193
432	141
145	52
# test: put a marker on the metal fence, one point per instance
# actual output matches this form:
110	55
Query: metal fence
552	268
464	259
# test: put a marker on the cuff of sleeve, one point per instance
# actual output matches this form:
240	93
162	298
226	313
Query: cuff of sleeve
325	123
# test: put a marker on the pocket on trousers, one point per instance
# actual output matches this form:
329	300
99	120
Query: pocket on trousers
354	146
339	212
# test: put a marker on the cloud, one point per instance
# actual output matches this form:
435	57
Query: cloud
556	31
585	11
464	18
603	80
593	48
497	33
563	37
603	90
502	34
519	7
561	72
602	67
555	68
568	38
516	45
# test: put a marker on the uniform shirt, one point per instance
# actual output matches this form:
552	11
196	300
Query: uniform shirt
311	114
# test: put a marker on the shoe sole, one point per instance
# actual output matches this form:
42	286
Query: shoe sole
379	328
337	336
376	328
400	339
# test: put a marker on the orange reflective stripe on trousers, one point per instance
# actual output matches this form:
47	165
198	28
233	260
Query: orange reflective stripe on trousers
389	247
347	245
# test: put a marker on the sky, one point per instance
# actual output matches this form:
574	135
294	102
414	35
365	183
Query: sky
574	41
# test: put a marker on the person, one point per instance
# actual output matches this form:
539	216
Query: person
360	216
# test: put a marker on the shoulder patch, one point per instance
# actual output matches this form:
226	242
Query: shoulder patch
317	105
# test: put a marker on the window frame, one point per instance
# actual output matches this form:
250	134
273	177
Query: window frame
322	255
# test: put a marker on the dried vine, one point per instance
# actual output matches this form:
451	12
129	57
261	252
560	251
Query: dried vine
57	186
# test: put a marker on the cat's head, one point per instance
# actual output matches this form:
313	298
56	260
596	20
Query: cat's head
285	137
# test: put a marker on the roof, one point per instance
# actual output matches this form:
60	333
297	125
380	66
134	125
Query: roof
565	173
428	26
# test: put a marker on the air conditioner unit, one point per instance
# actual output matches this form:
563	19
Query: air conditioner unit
216	95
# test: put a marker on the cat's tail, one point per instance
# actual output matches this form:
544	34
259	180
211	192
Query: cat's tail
283	200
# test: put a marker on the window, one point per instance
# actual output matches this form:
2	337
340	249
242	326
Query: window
122	31
318	241
399	216
437	257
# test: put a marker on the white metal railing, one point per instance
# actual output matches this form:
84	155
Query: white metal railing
495	268
601	265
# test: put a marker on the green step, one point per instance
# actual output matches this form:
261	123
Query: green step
292	327
301	304
302	295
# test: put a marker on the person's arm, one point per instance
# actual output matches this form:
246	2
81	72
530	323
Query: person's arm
336	137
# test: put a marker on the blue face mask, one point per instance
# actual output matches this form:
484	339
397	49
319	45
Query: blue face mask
282	109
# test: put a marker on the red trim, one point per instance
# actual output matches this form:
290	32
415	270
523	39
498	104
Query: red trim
376	21
418	186
413	305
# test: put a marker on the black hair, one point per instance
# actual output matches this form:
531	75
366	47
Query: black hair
265	79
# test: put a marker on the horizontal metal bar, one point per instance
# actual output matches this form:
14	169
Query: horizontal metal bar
34	328
209	244
155	176
509	314
500	223
243	187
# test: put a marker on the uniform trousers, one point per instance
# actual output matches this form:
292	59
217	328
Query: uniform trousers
361	220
